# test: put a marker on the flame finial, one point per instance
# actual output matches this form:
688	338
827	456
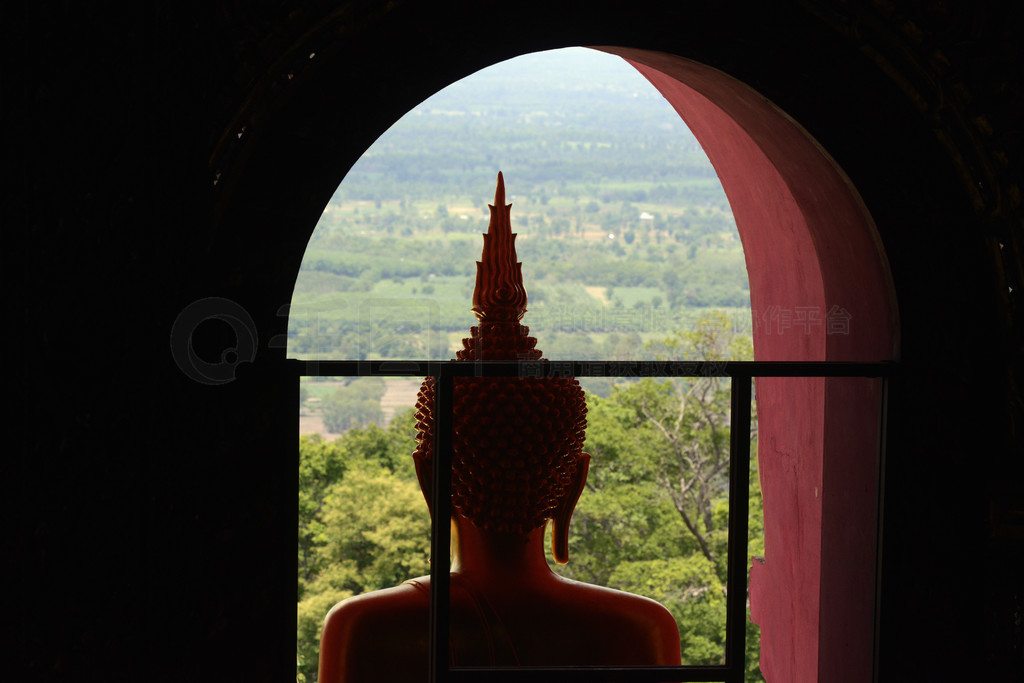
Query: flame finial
517	442
499	296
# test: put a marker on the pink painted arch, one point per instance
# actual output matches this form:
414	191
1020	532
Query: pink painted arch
820	290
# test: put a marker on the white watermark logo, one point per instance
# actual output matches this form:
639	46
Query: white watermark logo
223	370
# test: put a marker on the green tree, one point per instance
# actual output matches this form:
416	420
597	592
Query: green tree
376	528
681	427
390	447
321	466
376	534
363	523
355	404
654	517
691	589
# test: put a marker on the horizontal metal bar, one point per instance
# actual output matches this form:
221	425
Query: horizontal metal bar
610	368
593	674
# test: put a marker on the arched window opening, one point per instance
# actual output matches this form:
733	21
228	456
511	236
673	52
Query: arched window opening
630	253
819	292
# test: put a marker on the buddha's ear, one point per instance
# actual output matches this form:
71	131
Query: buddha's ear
563	515
425	476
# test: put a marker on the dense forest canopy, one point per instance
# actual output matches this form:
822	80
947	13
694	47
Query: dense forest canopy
653	519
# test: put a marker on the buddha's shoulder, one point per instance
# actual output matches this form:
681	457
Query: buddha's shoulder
381	631
389	607
633	623
601	597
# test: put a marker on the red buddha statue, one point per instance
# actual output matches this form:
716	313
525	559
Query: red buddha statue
517	462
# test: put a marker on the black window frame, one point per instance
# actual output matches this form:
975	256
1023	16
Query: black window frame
741	375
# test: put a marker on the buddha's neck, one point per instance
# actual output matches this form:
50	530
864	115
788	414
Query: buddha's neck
502	557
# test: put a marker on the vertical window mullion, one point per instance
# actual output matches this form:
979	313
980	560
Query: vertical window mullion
440	532
739	490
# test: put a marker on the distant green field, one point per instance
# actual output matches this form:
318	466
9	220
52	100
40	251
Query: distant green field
630	297
625	233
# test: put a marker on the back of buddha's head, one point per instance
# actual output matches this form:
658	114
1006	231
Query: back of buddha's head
517	441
